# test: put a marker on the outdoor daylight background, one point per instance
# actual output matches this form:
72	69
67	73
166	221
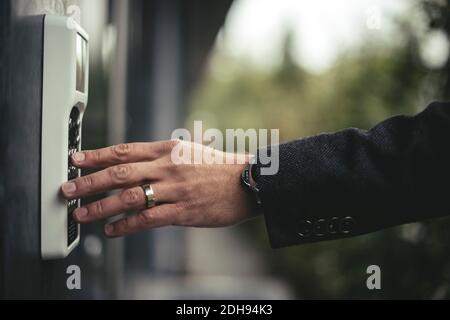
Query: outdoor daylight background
301	66
307	67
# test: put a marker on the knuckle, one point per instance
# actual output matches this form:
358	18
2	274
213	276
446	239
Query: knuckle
145	217
120	172
168	145
96	155
180	208
186	191
170	167
98	208
86	182
180	216
130	197
121	151
123	225
175	170
190	206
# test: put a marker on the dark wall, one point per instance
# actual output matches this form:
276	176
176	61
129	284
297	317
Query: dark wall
23	273
4	32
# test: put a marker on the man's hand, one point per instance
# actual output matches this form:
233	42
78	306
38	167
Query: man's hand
186	194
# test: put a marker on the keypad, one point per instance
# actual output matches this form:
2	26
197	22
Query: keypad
73	172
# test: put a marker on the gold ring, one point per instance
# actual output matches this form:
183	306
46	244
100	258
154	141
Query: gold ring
149	195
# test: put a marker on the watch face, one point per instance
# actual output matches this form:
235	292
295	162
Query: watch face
245	179
245	176
254	172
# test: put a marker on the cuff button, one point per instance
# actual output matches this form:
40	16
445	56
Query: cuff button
347	225
320	227
333	225
305	228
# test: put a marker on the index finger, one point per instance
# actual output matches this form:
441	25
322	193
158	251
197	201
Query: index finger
122	153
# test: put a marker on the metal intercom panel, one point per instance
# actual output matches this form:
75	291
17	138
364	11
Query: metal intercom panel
64	100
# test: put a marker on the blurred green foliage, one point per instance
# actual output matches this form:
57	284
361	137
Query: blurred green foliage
365	86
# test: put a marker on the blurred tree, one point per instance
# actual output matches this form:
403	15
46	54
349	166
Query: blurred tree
289	73
364	87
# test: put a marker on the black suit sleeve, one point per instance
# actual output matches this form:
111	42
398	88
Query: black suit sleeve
354	181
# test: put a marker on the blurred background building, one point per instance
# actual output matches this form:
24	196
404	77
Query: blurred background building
303	67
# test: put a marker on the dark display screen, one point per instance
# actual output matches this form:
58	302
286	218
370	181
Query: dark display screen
81	63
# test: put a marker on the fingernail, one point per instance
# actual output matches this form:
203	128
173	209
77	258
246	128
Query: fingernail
79	156
109	228
81	213
69	187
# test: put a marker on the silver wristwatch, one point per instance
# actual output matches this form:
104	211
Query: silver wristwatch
249	183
